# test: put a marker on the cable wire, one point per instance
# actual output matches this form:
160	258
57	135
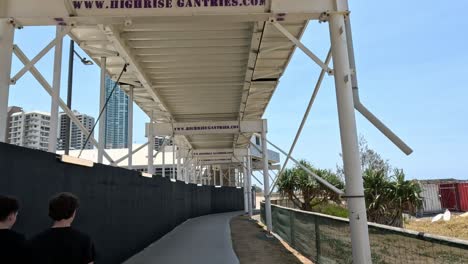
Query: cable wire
102	110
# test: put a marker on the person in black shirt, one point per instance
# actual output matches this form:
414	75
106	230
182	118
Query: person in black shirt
62	244
12	244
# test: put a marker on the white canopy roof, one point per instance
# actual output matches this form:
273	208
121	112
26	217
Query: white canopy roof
189	60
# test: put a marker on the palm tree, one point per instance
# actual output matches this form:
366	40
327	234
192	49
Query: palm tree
406	196
387	197
287	186
377	195
303	190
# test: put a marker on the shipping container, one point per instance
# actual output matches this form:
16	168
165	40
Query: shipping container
448	196
430	198
463	196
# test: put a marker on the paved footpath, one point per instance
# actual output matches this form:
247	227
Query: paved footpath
201	240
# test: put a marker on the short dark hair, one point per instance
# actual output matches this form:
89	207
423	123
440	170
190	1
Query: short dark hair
62	206
8	205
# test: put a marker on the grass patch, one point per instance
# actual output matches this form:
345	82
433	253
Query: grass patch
331	209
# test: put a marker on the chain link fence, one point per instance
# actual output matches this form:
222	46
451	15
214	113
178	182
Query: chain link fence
326	240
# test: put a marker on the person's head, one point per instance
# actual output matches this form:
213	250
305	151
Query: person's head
9	207
62	207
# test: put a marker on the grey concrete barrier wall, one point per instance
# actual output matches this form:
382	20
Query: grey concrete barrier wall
122	211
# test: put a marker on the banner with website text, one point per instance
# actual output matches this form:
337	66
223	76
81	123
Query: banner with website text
163	7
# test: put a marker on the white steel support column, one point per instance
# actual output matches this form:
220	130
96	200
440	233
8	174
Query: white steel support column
246	195
266	177
150	146
102	121
179	168
213	175
200	179
7	32
221	177
193	172
173	159
249	182
186	167
189	170
209	174
130	128
349	141
194	168
54	106
235	177
164	158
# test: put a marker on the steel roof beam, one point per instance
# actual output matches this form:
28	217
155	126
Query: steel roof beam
186	27
99	52
176	65
254	47
113	35
207	76
301	46
185	35
155	44
194	57
191	51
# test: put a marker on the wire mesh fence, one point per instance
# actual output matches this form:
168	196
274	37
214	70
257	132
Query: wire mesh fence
326	240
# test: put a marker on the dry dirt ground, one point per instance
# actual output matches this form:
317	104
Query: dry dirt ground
457	227
252	246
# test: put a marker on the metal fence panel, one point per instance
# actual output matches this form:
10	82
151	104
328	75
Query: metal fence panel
326	240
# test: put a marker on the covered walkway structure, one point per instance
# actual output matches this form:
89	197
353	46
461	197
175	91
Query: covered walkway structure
204	73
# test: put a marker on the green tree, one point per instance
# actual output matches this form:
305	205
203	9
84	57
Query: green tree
303	190
387	197
370	159
257	189
387	193
406	196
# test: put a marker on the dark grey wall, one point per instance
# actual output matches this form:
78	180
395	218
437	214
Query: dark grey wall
122	211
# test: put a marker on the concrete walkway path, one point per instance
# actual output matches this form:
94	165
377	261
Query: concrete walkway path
201	240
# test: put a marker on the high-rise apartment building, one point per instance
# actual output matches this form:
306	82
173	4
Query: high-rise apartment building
116	132
30	129
77	137
11	111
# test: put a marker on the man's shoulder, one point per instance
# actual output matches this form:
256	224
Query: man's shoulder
13	235
70	234
64	231
19	236
80	234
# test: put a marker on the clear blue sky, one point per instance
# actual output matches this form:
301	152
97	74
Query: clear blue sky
412	61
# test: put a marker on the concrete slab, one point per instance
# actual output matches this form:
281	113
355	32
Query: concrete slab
204	240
